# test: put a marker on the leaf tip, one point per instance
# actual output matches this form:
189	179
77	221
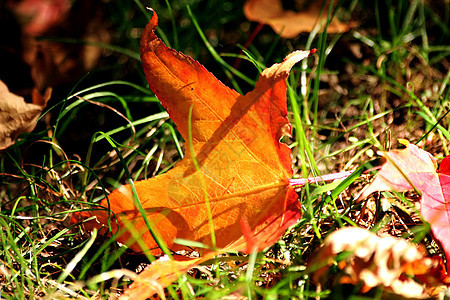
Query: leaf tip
404	142
148	33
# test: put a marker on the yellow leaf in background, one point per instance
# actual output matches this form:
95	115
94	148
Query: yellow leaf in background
288	23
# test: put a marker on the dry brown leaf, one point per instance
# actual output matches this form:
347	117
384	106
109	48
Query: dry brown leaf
394	264
17	116
288	23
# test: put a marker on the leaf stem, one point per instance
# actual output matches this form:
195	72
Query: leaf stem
328	177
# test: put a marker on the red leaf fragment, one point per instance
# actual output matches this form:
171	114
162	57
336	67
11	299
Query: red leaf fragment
444	166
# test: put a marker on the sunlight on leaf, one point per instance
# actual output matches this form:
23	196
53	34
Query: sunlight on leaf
243	168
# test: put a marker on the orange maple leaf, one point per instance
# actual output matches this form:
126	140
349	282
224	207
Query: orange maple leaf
239	169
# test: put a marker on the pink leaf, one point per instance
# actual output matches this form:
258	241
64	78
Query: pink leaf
416	167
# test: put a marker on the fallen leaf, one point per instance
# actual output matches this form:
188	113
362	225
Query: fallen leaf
288	23
243	168
159	274
18	116
394	264
414	168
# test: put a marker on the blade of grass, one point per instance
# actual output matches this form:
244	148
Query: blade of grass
202	182
78	257
213	52
154	233
118	49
